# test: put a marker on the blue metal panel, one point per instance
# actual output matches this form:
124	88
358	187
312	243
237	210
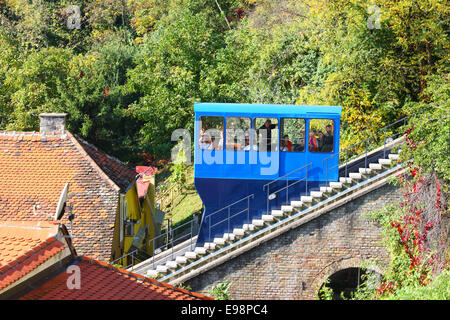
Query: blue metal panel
223	176
219	193
266	110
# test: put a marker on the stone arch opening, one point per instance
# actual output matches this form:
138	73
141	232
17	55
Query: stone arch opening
346	281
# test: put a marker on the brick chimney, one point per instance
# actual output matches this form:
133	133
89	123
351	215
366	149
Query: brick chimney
52	122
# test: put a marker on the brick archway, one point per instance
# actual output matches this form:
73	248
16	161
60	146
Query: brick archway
335	266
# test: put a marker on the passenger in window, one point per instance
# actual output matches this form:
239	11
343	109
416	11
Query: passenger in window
216	143
267	126
235	146
205	140
286	145
218	135
328	141
320	141
247	142
300	147
312	141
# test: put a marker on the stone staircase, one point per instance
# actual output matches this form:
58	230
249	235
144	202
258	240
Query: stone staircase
174	270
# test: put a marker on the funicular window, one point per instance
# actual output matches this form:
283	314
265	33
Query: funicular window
238	133
321	135
266	133
211	133
292	135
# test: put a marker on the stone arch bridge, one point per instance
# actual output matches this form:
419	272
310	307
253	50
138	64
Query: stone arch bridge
296	263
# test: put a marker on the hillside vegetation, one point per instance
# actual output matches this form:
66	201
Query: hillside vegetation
128	72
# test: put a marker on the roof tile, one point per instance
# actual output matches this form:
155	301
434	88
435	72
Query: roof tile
16	258
100	282
33	172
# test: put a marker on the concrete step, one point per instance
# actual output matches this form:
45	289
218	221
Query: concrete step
394	156
171	264
355	175
385	162
278	213
345	180
181	260
219	241
200	250
365	171
209	246
326	189
190	255
296	204
316	194
306	199
336	185
287	208
229	236
162	269
248	227
375	166
152	273
258	222
267	217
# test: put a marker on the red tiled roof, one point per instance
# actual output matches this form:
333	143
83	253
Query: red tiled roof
34	169
100	281
142	186
116	170
24	246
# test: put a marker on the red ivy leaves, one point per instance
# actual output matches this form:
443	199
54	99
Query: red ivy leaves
413	227
105	94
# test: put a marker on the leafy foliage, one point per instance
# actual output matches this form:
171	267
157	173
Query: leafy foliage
129	76
221	291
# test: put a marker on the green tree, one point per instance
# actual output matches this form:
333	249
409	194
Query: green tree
33	85
170	67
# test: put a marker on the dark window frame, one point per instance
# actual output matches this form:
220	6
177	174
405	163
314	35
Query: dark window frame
251	133
333	125
255	141
282	134
223	132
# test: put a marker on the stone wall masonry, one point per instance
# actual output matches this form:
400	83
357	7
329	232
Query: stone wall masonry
295	264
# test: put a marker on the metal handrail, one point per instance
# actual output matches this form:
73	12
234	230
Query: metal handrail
346	150
366	141
287	184
169	234
388	126
228	219
132	253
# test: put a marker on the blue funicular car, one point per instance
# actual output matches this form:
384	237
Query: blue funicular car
251	158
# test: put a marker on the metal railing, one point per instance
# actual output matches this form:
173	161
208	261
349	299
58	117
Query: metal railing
229	215
132	254
271	196
368	144
395	135
166	199
170	240
164	241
